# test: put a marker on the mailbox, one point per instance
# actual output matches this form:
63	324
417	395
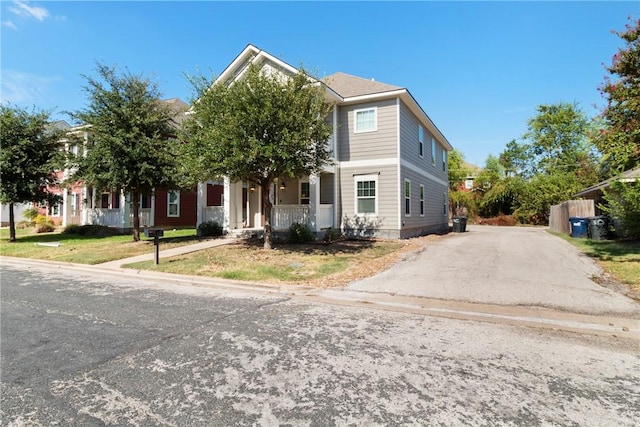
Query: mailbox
153	232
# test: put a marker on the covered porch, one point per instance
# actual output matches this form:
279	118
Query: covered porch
237	205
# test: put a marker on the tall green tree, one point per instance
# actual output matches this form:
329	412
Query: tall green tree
557	139
129	146
262	127
29	155
619	139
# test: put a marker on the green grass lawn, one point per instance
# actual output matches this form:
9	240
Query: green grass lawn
619	258
85	249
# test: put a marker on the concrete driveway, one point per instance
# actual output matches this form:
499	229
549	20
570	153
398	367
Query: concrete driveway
506	266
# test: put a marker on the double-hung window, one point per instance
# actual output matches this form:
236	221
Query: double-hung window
420	140
422	200
433	151
444	160
365	120
366	194
407	197
173	203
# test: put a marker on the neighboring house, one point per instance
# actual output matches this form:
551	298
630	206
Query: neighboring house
389	175
595	192
82	204
18	210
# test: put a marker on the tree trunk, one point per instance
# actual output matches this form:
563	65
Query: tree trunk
12	224
135	198
266	209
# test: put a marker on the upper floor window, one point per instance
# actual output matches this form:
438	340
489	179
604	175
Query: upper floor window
366	196
420	140
365	120
173	203
433	151
468	183
444	160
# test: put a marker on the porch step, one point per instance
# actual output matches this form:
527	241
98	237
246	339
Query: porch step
245	233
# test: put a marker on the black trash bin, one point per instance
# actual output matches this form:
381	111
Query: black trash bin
459	224
598	227
578	226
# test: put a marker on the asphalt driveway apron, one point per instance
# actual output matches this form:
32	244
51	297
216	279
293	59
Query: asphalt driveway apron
515	266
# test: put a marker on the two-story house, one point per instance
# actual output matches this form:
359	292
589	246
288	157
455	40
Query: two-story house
389	174
80	203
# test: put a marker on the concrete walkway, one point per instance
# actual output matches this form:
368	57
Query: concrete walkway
181	250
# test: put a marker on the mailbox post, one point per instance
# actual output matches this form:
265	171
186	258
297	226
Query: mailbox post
156	233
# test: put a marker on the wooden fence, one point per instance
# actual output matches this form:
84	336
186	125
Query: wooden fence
560	214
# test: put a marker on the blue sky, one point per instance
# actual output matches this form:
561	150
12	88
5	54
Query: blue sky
479	69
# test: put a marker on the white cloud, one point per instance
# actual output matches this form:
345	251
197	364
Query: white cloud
21	8
9	24
18	87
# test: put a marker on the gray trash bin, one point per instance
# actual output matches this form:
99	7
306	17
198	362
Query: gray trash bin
598	227
459	224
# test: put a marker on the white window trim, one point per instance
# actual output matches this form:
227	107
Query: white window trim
404	194
356	179
300	191
433	152
422	206
375	120
420	141
169	215
444	160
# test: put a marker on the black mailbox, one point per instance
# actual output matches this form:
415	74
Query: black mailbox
153	232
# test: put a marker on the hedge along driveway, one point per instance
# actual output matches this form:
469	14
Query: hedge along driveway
86	249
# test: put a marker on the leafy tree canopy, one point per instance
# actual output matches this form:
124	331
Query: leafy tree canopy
619	139
129	136
259	128
29	154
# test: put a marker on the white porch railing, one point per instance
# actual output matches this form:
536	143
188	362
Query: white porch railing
213	213
325	216
113	217
108	217
284	216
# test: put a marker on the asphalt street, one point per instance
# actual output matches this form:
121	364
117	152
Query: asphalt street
82	349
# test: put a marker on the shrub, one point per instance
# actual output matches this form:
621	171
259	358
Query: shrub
30	213
45	228
331	234
210	228
90	230
22	225
300	233
40	219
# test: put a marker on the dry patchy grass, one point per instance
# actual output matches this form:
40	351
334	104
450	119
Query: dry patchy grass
317	265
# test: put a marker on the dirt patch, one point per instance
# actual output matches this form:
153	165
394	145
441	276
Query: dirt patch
502	220
369	267
607	281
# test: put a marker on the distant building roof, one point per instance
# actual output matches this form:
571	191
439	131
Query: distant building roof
348	86
630	175
178	109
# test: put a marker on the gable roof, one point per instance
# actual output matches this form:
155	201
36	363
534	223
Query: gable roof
347	85
630	175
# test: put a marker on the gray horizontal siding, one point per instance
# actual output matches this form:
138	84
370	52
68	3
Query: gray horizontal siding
433	215
387	193
409	147
379	144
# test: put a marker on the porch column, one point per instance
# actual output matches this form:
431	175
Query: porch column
226	199
314	202
152	212
124	209
200	203
65	207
